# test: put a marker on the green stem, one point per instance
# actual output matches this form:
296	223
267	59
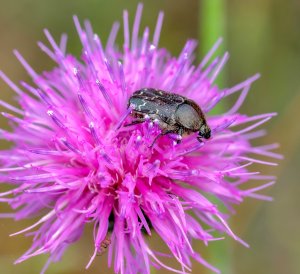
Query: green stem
212	25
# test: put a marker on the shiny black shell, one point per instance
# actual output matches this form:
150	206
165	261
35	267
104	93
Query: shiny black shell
174	113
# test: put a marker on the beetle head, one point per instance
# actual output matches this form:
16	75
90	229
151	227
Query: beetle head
204	132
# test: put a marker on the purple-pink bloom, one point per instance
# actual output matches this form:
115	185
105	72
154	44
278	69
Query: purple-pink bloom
73	162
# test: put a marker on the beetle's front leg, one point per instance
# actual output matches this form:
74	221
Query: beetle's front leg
179	133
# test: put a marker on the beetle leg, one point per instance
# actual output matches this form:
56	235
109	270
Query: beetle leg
180	132
135	122
159	135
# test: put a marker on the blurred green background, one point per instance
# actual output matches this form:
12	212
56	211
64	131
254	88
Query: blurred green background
261	36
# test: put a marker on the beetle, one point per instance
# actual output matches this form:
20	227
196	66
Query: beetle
104	245
174	113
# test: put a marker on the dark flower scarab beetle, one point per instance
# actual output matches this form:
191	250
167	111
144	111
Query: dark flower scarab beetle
174	113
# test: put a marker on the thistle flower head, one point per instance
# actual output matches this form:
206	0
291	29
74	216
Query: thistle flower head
74	162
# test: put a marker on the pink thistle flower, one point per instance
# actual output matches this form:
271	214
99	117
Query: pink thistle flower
73	162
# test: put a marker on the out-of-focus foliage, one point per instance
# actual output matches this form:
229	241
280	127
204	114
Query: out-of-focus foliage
262	36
